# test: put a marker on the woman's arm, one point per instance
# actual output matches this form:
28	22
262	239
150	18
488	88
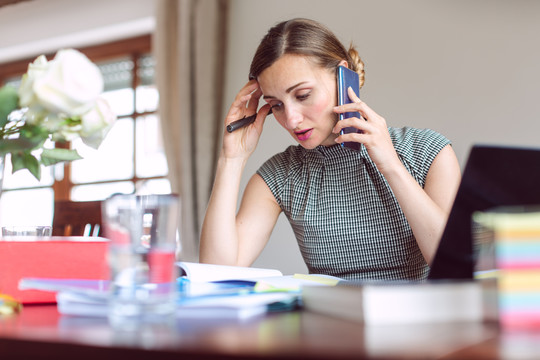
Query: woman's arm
426	209
228	238
231	238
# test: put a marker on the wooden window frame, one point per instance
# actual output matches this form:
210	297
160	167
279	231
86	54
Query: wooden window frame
134	48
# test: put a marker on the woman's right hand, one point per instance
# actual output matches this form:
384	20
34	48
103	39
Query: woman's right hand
242	142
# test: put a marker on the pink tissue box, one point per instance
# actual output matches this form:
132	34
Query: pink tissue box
56	257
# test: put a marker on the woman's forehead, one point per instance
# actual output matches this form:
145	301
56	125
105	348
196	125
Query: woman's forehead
288	71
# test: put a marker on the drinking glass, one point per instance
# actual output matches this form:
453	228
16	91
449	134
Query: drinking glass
142	230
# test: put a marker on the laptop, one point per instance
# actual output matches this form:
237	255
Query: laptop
494	176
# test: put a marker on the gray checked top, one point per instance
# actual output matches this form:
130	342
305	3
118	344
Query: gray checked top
344	214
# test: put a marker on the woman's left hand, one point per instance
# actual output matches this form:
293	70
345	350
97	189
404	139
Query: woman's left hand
374	132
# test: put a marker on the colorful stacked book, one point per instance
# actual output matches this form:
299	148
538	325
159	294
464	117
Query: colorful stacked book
516	243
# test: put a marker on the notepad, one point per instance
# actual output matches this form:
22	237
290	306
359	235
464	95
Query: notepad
198	272
240	307
206	290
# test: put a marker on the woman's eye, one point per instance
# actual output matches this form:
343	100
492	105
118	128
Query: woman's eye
302	97
277	106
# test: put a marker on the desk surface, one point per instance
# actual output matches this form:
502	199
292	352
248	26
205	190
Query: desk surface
40	332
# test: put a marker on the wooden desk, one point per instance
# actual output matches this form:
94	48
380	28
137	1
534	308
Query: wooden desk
39	332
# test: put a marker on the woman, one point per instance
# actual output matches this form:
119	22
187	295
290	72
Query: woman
376	213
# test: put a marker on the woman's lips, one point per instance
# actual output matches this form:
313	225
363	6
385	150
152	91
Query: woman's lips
304	134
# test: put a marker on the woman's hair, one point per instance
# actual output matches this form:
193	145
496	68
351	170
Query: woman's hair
308	38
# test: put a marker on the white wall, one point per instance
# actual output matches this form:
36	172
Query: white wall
469	69
31	28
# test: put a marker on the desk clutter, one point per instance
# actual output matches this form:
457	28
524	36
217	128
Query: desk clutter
204	291
8	305
228	292
72	272
510	237
56	257
405	303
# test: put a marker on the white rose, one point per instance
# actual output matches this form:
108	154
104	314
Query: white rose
36	70
70	85
56	125
97	123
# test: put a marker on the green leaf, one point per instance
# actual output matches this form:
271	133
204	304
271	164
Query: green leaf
21	143
54	156
35	134
14	145
73	121
9	101
25	160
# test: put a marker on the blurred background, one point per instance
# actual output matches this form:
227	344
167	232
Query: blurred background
469	69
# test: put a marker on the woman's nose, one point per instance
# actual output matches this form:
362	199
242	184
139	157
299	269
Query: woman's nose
293	118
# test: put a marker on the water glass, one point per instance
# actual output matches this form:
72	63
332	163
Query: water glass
142	230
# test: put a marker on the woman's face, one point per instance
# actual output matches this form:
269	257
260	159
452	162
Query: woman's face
302	96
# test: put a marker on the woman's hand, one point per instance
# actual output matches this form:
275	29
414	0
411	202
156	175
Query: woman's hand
374	132
233	235
426	209
242	142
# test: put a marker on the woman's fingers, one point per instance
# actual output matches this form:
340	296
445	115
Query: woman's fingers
371	125
253	102
358	106
245	103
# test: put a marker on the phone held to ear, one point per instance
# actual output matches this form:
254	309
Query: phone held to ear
347	78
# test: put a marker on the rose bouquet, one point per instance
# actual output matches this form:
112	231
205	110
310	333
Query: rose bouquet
58	100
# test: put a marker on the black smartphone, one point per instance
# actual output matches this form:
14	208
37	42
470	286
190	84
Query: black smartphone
347	78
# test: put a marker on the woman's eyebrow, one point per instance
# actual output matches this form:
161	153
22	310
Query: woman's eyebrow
287	91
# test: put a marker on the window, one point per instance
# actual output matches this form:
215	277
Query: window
130	159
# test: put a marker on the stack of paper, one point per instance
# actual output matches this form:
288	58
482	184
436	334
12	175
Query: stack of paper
213	291
214	307
516	235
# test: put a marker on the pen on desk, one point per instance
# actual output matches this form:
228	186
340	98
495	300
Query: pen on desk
245	121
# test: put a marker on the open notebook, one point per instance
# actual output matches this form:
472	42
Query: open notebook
205	291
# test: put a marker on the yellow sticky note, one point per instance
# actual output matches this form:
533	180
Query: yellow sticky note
321	279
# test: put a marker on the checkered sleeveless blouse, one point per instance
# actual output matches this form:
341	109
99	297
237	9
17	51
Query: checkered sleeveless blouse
344	215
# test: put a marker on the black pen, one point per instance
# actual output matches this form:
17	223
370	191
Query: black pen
245	121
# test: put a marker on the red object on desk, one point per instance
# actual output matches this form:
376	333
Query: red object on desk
56	257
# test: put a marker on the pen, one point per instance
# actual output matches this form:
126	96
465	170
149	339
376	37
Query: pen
245	121
238	124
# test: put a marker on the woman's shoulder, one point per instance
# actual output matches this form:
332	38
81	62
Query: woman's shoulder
414	135
409	139
417	148
279	168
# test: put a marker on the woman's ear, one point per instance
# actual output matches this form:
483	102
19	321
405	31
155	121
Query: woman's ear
344	63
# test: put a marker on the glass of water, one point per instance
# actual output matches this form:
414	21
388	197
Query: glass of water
142	232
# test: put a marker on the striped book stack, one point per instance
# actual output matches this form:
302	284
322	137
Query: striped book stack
516	239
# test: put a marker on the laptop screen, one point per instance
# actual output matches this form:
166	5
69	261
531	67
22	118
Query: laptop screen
493	176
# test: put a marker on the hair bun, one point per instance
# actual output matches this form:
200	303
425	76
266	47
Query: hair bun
356	63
